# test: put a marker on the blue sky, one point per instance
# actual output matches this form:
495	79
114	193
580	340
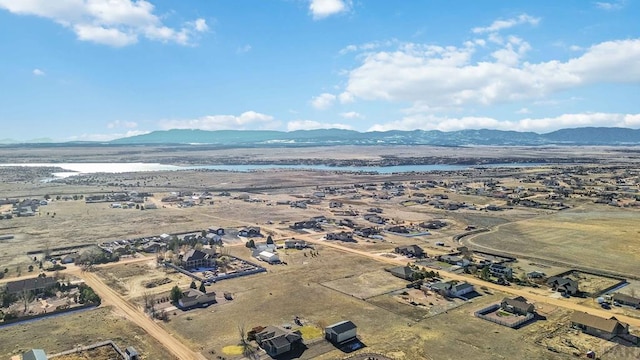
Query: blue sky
103	69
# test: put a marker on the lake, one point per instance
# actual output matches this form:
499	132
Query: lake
93	168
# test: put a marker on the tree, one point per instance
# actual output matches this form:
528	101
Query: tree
202	288
193	285
269	240
251	244
203	233
484	275
30	268
247	349
25	297
176	294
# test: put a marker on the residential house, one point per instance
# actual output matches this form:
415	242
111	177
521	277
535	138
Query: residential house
536	275
410	251
452	289
341	236
295	244
403	272
399	229
500	270
374	218
455	260
217	231
153	247
253	231
265	247
34	354
367	232
299	225
277	341
600	327
563	285
36	285
319	219
342	332
335	204
517	305
626	300
196	258
194	297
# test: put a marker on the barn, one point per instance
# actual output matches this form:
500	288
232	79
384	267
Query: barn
269	257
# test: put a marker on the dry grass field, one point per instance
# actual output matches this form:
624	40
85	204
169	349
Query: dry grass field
606	238
83	328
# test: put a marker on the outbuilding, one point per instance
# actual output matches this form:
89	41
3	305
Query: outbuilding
269	257
340	333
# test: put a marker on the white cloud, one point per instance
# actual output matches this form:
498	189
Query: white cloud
523	110
448	77
540	125
610	6
351	115
323	101
122	124
245	121
106	137
367	46
109	22
243	49
312	125
499	25
323	8
38	72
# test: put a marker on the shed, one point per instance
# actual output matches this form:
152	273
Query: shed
341	332
34	354
131	353
269	257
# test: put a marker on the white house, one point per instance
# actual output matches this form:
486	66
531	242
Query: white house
269	257
341	332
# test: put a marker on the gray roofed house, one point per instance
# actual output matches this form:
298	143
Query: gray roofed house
196	258
36	284
410	250
452	288
626	300
403	272
563	285
518	305
193	297
276	340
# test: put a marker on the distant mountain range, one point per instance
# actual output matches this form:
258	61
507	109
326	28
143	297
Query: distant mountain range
574	136
327	137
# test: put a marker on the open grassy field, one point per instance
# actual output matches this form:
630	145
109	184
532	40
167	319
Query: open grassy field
606	238
66	332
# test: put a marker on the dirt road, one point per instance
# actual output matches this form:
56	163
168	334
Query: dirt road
138	317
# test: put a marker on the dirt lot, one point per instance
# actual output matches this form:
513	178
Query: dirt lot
600	239
367	285
66	332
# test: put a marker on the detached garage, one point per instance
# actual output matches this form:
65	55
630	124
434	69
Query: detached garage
341	332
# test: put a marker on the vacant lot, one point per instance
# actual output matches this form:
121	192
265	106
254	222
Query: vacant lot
367	285
608	240
66	332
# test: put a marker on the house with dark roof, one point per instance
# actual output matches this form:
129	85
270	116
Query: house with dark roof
452	289
196	258
277	341
626	300
35	285
500	270
194	298
342	332
517	305
253	231
410	251
600	327
563	285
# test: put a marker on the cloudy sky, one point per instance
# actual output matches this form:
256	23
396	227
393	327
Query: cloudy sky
103	69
